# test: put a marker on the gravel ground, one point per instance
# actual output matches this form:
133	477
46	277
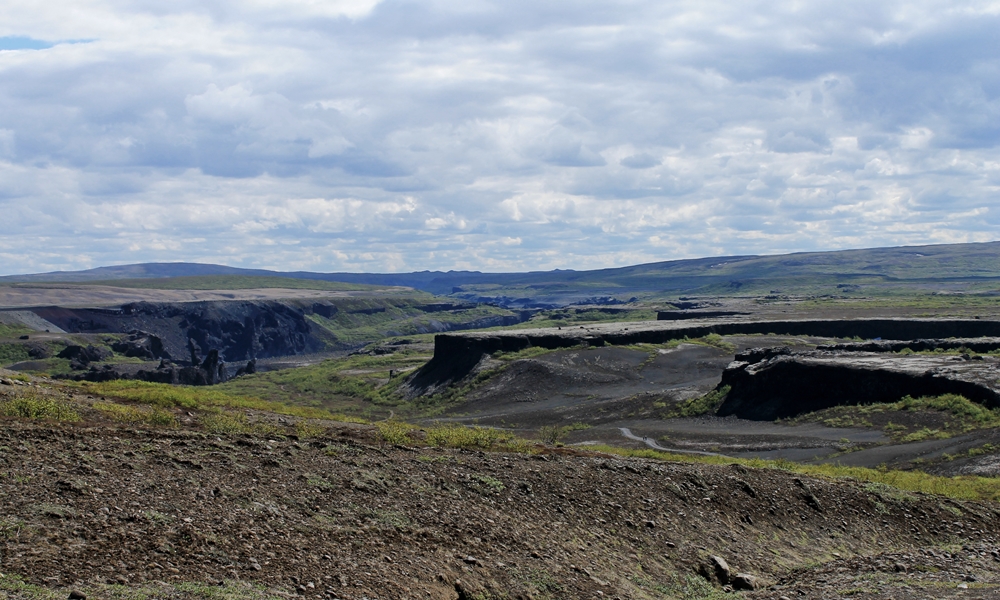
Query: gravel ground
102	510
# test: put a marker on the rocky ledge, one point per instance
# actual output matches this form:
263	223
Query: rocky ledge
457	354
773	383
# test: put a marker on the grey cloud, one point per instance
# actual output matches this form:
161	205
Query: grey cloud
640	161
431	134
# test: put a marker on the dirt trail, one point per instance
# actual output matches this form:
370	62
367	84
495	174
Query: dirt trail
652	444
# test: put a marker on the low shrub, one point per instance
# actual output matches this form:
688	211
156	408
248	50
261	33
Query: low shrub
136	415
305	429
394	432
38	407
702	405
169	396
236	423
484	438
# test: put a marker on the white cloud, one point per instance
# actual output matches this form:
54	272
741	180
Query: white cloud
491	135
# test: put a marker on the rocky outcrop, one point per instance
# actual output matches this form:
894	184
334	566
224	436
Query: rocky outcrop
982	344
81	356
239	330
210	371
767	384
456	354
140	344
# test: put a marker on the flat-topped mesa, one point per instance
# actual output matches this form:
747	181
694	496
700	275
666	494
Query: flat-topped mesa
456	354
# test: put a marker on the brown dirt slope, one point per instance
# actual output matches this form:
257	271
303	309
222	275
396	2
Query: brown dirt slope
104	509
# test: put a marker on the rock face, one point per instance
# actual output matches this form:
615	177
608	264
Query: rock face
81	356
457	354
140	344
239	330
768	384
982	344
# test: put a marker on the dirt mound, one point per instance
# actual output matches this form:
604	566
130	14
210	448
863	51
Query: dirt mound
340	516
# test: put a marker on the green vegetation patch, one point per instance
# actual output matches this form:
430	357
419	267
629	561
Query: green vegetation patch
702	405
136	415
234	423
350	385
911	419
168	396
963	487
12	353
482	438
14	586
14	330
370	319
554	434
39	408
395	432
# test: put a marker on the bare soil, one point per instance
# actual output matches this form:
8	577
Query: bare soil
343	516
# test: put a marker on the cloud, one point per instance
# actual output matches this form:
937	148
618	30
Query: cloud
397	135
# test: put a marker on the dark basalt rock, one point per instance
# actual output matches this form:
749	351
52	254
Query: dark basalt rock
983	344
239	330
324	310
457	354
783	384
140	344
249	369
84	355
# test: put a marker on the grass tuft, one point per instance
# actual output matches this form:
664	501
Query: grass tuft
136	415
483	438
188	397
39	408
395	432
964	487
702	405
236	424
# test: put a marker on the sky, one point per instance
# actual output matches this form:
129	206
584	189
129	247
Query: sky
340	135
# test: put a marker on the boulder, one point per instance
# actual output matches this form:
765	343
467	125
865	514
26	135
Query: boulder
744	581
715	569
140	344
84	355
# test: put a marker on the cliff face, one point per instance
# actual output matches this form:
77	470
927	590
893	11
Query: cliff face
456	355
239	331
778	384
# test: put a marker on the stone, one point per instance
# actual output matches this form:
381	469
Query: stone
75	595
715	569
140	344
84	355
744	581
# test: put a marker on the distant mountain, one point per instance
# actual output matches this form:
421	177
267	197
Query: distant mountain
947	268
